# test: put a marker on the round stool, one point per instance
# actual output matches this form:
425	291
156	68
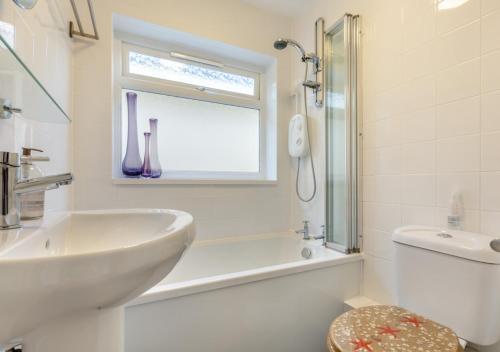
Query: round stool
389	328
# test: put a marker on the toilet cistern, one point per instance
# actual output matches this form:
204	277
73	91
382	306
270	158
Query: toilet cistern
12	186
437	271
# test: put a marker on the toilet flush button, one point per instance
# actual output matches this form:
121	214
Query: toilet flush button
495	245
444	235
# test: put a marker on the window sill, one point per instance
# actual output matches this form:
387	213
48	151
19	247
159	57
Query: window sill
185	181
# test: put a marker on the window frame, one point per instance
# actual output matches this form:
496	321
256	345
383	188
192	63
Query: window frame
123	79
127	48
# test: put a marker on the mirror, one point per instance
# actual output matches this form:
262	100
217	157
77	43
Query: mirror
26	4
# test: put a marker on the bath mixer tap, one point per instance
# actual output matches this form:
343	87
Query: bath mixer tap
305	230
322	236
11	187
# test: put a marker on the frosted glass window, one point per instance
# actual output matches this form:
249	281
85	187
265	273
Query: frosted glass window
197	136
200	76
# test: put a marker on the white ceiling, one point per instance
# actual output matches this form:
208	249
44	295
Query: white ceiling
288	8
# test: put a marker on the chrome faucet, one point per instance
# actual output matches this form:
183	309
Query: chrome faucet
11	187
305	230
322	236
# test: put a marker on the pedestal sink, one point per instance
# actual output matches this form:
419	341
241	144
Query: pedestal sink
83	264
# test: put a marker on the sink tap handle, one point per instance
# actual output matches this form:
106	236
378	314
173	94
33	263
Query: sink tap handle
28	158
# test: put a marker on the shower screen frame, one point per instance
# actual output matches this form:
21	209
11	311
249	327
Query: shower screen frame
343	189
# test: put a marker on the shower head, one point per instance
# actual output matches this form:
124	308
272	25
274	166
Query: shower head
282	43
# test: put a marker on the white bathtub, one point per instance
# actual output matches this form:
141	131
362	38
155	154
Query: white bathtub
252	294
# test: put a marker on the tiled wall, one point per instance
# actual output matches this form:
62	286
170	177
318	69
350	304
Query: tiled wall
431	122
219	210
40	38
431	114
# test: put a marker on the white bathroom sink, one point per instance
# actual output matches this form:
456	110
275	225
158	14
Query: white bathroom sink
75	261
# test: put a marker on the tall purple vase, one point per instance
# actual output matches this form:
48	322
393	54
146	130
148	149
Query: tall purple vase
155	161
146	167
132	163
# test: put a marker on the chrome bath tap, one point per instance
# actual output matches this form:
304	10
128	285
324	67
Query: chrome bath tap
11	187
305	230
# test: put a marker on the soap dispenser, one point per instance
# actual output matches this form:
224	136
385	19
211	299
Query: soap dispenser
456	212
32	204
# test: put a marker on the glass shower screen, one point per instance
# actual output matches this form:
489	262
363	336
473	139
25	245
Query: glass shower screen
342	142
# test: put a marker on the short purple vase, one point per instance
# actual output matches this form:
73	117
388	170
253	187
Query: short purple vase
132	163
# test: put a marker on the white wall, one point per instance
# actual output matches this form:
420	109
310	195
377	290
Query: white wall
431	89
41	40
219	210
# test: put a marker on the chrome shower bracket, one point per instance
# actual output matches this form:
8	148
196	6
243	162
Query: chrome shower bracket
318	61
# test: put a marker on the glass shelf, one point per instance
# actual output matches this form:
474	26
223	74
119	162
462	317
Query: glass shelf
23	90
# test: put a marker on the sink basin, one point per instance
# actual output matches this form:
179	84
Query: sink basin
75	261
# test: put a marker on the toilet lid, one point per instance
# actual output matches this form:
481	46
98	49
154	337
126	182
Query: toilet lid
389	328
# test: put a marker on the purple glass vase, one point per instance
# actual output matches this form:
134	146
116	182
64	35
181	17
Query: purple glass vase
155	161
132	163
146	167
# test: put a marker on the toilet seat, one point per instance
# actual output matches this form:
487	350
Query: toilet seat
389	328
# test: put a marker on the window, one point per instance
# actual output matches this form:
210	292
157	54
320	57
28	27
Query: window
198	136
157	67
211	115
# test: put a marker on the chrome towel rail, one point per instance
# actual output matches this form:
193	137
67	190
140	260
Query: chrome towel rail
81	32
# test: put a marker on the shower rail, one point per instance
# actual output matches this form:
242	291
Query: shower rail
81	32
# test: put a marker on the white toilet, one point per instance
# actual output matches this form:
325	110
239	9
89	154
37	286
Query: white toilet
451	277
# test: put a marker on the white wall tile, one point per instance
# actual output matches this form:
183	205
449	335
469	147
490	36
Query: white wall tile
460	154
466	184
388	69
418	190
387	132
379	244
490	32
490	223
420	61
388	160
460	117
378	279
490	111
418	126
419	93
382	217
369	164
488	6
450	19
459	82
383	189
418	23
419	158
418	215
490	78
369	135
490	191
490	152
388	103
459	45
